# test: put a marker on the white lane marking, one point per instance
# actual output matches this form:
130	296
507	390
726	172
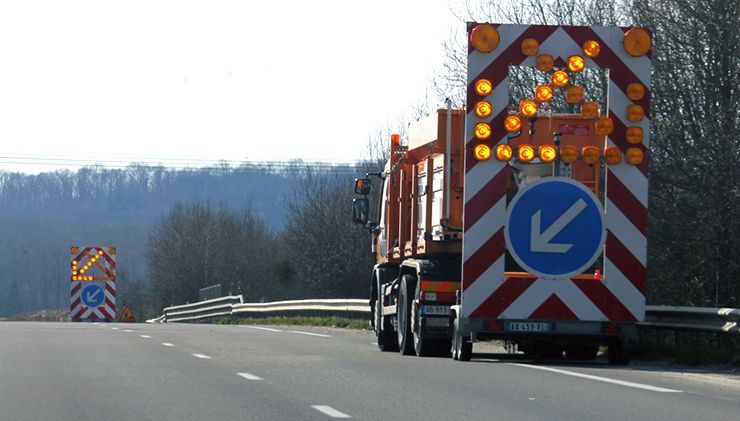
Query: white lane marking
102	325
328	410
602	379
114	328
167	344
146	336
265	328
128	330
96	323
250	376
201	356
374	343
310	334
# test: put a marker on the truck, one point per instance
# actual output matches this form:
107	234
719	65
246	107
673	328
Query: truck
506	220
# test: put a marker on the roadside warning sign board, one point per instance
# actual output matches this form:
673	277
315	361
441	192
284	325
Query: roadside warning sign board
93	283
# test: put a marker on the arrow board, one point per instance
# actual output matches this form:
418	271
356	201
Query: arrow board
555	228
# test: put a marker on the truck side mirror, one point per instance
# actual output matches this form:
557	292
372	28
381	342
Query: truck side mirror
362	186
360	208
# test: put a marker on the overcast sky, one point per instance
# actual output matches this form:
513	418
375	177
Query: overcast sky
210	79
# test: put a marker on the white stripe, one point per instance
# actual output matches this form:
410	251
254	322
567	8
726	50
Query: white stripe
614	39
480	175
167	344
627	233
485	227
483	287
569	294
250	376
559	44
477	61
624	290
264	328
601	379
146	336
201	356
634	180
578	302
328	410
310	334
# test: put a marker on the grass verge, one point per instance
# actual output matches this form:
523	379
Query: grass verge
298	321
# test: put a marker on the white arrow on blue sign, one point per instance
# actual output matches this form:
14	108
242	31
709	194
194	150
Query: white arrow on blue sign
555	228
92	295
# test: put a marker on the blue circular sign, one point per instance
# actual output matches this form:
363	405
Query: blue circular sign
555	228
92	295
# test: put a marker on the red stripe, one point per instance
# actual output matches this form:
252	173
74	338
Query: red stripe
618	137
75	287
83	253
626	262
79	314
485	199
619	72
105	313
553	309
483	258
600	295
498	70
627	203
110	288
75	303
502	298
110	304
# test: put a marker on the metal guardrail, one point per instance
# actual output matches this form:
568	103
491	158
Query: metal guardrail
698	319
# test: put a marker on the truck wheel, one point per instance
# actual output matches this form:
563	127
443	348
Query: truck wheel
619	353
462	347
405	336
384	329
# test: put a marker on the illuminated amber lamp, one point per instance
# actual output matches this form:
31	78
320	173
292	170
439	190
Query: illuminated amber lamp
590	110
503	152
604	126
634	135
482	152
612	156
590	154
559	78
525	153
576	63
530	47
635	113
547	153
484	38
568	154
396	139
482	131
574	95
528	108
512	123
483	87
634	156
544	62
543	93
637	42
483	109
591	48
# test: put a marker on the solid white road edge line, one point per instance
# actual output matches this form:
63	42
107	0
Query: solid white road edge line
146	336
328	410
250	376
167	344
310	334
201	356
265	328
602	379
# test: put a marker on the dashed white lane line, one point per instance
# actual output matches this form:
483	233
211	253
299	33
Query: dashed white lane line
114	328
601	379
310	334
128	330
249	376
269	329
146	336
167	344
328	410
201	356
102	325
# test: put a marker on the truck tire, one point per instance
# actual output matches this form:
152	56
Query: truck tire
384	330
405	336
462	347
425	347
619	353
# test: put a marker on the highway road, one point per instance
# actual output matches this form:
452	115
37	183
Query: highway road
86	371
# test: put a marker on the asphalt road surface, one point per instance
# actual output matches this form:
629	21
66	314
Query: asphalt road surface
85	371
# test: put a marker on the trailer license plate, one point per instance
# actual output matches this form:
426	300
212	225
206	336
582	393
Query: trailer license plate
435	310
527	327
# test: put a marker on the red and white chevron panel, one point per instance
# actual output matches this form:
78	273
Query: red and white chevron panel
101	267
620	294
